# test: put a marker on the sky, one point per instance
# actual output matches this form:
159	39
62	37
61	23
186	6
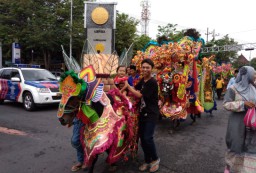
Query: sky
233	17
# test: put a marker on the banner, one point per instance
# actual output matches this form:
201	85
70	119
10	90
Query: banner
16	53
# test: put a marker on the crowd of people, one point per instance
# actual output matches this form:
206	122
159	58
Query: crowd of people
240	96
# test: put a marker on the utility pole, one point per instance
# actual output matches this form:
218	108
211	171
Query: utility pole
1	54
213	34
70	29
207	34
145	14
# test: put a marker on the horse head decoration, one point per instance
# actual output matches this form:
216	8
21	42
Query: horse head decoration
108	124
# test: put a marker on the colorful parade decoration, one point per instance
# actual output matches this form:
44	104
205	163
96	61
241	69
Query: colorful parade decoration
107	126
206	92
89	94
173	64
225	71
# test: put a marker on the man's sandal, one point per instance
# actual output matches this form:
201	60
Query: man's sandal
144	167
154	166
76	167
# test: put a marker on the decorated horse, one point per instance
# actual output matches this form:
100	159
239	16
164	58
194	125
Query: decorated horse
108	124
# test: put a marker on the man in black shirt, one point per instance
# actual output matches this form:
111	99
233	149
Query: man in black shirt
147	90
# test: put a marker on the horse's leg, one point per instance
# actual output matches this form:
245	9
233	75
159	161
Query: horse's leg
93	164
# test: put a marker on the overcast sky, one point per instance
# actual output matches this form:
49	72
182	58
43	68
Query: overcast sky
233	17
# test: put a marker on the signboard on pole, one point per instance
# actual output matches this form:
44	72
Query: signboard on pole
100	39
100	25
16	53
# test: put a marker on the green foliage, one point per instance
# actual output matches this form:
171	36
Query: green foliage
140	42
253	63
192	32
41	26
223	57
125	32
170	31
44	25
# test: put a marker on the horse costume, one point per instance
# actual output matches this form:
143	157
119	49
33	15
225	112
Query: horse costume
108	124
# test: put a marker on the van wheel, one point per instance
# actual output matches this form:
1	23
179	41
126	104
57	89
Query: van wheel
1	101
28	102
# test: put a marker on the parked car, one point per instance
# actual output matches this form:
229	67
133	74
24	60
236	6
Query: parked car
29	86
57	74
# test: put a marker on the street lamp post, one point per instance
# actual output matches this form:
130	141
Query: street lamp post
1	54
71	21
249	49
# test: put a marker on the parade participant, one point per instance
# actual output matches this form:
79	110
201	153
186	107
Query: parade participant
219	86
120	79
232	81
120	76
194	108
128	71
147	90
241	140
134	75
76	143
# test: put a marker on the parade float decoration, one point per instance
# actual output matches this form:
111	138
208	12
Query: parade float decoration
225	71
89	94
195	107
206	91
109	125
173	64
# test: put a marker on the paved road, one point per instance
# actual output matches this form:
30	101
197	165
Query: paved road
43	145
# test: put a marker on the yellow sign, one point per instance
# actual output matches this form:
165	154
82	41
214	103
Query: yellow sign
99	47
100	15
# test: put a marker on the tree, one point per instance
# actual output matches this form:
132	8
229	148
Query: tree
41	26
140	42
253	63
170	31
125	31
192	32
223	57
